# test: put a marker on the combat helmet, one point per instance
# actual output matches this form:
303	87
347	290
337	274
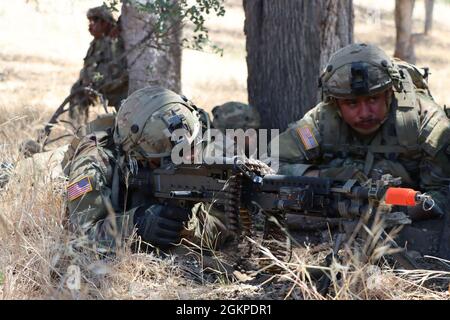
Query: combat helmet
148	117
101	12
235	115
357	70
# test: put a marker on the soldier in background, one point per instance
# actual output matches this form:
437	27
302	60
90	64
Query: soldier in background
104	68
237	115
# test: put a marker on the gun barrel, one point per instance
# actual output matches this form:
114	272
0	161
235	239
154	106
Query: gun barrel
186	194
272	183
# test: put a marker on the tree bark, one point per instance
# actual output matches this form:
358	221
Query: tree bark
404	45
148	65
429	6
288	43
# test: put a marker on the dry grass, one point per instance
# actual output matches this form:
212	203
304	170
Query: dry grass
41	53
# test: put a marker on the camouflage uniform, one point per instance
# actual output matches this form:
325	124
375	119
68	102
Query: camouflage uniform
413	143
104	69
112	167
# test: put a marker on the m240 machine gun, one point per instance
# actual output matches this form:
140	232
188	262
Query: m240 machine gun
241	189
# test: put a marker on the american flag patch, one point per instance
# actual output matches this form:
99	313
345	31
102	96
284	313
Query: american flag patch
78	188
307	137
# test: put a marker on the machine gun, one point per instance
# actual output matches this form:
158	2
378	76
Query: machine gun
242	190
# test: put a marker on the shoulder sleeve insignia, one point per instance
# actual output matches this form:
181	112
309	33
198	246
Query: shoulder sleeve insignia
307	137
79	188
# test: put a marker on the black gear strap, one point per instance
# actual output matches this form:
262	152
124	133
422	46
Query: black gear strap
360	78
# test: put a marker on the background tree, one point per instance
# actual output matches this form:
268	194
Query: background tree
153	37
429	6
150	64
404	43
288	43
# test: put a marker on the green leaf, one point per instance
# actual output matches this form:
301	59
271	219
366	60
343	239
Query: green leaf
170	13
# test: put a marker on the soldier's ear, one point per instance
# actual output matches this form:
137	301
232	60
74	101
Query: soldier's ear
214	110
389	94
334	102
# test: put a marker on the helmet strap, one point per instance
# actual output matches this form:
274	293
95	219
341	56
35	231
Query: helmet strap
396	77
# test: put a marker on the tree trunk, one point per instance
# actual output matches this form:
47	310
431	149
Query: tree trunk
404	45
148	65
429	5
288	43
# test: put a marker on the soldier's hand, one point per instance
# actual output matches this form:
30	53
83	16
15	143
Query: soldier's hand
161	225
90	98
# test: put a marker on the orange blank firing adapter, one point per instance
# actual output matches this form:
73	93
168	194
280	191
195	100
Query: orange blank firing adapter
402	197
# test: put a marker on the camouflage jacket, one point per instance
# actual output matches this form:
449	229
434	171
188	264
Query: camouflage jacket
413	143
103	197
105	69
89	193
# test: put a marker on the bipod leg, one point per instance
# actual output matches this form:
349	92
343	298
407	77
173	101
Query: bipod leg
276	240
401	257
325	281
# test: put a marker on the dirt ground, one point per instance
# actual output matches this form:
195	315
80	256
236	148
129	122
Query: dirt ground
42	45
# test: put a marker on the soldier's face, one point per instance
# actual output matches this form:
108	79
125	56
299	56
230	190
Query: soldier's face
98	27
364	114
